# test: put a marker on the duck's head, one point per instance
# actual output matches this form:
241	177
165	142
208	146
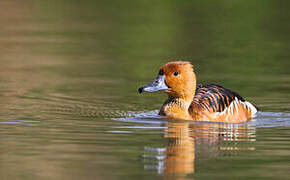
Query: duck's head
177	79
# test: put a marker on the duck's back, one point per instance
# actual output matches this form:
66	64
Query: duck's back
213	102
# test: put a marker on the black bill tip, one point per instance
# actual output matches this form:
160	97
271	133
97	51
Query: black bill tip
140	90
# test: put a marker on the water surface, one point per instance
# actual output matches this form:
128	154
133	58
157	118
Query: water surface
68	89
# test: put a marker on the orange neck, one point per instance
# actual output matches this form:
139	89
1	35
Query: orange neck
178	102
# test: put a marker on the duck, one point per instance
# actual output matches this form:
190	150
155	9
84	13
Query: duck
203	102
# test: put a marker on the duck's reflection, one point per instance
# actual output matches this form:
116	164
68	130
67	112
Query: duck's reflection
180	151
187	141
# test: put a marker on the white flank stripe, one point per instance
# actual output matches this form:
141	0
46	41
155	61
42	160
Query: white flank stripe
252	108
234	105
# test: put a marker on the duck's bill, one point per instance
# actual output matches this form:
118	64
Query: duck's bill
157	85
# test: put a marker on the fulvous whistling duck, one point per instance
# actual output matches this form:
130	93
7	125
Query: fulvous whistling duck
203	102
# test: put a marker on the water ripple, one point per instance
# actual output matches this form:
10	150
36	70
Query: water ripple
263	119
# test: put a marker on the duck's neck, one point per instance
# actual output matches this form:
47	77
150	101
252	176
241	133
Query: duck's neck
177	108
179	101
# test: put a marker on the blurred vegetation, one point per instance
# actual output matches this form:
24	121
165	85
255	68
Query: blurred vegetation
243	45
118	46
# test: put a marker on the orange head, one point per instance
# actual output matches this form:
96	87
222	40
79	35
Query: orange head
177	79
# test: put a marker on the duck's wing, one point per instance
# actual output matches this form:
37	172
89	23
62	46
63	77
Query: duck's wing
215	98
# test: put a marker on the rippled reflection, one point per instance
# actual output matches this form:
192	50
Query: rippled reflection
186	141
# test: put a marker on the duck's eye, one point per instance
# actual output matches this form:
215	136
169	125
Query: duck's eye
161	72
175	73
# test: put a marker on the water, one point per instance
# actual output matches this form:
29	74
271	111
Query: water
68	89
